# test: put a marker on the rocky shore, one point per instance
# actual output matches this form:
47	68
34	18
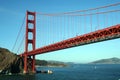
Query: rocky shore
10	63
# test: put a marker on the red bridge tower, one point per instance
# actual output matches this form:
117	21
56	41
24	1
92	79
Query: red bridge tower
29	61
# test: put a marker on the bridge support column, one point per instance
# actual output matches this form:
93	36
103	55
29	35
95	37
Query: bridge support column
25	64
29	60
33	64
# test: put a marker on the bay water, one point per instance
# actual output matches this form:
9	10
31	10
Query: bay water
73	72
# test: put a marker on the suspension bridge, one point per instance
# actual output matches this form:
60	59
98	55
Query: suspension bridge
59	31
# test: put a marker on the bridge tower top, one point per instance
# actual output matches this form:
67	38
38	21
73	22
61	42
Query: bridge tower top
30	28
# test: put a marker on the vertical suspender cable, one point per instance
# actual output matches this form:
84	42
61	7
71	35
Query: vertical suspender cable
48	28
111	19
106	20
71	25
98	19
91	22
79	30
64	27
84	23
68	26
52	30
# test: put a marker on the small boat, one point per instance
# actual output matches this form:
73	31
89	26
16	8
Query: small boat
48	71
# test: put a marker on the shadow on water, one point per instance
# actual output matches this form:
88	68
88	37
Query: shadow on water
18	77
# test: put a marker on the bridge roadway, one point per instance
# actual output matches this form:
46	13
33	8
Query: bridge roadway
109	33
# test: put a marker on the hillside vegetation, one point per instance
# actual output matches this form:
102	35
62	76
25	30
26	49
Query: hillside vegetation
113	60
9	62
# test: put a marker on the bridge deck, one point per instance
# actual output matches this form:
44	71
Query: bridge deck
112	32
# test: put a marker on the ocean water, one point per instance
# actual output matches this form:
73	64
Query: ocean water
73	72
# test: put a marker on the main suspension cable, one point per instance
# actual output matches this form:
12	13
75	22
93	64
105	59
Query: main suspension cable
65	13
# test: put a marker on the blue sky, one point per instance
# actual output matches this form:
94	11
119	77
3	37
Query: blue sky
12	13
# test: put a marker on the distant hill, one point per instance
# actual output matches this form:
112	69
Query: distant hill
113	60
50	63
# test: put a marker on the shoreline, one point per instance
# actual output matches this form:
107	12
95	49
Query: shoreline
49	66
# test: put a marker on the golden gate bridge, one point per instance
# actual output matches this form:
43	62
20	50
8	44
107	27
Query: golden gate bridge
69	29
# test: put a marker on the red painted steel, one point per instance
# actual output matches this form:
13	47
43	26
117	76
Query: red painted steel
112	32
30	41
109	33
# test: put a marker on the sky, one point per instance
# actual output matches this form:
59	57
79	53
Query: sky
12	13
